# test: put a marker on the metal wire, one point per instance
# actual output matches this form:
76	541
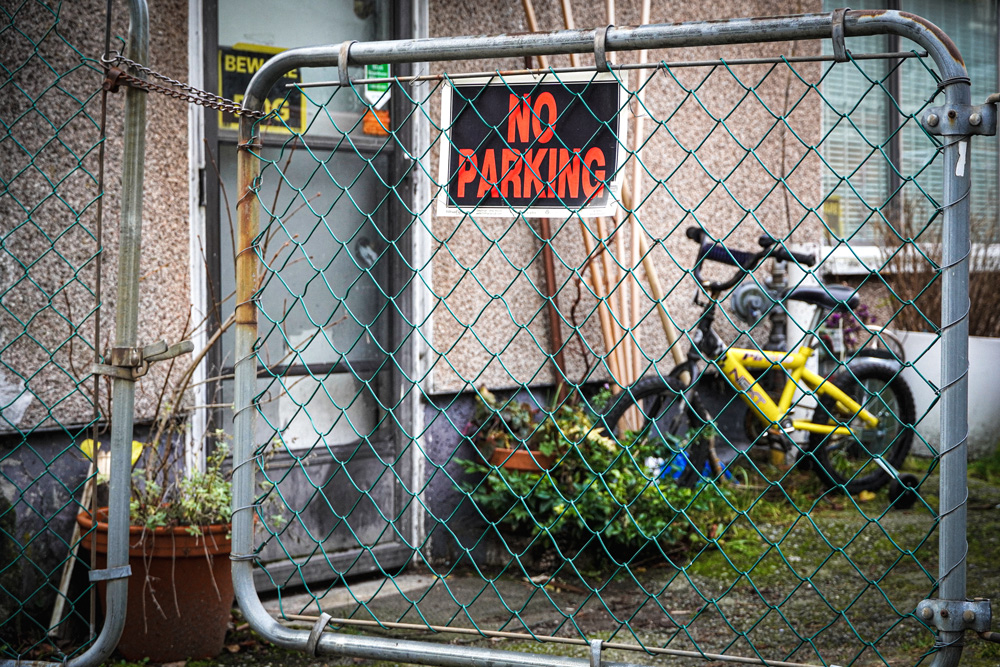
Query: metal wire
740	148
51	262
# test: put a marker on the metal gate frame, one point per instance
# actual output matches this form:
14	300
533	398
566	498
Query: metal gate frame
117	571
836	25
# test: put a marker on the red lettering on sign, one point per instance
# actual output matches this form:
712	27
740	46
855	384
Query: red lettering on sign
518	118
489	170
510	167
467	171
569	174
544	101
532	181
549	193
594	162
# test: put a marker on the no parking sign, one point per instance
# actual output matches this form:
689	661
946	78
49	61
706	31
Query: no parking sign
533	146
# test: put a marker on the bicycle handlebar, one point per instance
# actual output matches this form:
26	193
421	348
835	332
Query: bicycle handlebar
745	261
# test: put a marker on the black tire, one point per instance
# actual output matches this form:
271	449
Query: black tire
847	462
903	492
665	415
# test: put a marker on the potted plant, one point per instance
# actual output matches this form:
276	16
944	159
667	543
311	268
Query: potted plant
180	593
506	433
599	494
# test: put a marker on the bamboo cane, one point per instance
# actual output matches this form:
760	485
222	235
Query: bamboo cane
657	289
55	629
620	281
601	282
634	225
669	330
567	9
552	305
597	284
609	272
529	15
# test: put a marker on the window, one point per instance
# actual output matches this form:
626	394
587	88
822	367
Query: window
878	155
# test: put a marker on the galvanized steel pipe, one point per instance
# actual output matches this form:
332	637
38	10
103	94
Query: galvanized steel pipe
126	325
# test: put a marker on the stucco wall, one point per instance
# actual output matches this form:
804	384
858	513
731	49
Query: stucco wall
721	175
49	211
48	218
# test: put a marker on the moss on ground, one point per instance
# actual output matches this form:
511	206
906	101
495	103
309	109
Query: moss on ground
831	570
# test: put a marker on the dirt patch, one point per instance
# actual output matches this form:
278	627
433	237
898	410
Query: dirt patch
806	578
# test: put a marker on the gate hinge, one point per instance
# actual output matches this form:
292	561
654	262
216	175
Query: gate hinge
961	119
956	615
131	363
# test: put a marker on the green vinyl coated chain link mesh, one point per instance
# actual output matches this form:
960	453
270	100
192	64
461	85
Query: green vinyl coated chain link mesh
50	141
478	404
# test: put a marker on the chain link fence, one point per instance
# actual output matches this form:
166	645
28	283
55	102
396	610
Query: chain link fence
504	379
604	357
477	354
49	293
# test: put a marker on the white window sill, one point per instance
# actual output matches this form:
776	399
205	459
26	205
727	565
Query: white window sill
850	260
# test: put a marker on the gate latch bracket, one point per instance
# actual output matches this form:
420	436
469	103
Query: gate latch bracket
131	363
961	119
956	615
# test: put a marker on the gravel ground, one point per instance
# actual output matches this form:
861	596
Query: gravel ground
838	548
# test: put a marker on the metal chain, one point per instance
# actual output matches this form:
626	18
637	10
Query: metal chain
175	89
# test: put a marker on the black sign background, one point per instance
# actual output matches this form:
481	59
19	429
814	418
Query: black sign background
233	82
587	117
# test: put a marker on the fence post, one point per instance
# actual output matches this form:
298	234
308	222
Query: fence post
126	324
953	545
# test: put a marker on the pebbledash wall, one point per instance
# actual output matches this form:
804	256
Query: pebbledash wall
47	323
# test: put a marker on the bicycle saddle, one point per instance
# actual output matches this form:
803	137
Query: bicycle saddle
825	296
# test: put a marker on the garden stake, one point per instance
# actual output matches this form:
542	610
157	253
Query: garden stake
597	285
567	10
634	227
552	306
529	14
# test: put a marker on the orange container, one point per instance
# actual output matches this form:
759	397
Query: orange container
375	122
521	459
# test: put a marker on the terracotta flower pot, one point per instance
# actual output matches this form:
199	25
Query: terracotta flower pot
180	593
521	459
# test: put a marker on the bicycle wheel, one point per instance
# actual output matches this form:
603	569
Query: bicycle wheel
664	426
884	344
849	461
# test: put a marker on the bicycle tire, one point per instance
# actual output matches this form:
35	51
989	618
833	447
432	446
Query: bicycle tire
847	462
666	415
883	344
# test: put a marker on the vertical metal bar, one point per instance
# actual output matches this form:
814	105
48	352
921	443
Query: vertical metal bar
953	545
126	325
245	367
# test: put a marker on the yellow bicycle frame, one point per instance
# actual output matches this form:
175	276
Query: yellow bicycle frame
738	360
